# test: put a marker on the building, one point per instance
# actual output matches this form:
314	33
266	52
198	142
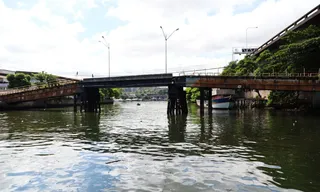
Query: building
3	78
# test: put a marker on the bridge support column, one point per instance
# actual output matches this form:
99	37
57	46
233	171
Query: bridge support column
177	102
91	100
209	96
75	103
201	101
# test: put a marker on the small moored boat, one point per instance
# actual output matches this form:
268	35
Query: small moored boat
219	102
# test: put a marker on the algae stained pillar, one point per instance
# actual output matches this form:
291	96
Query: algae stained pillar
209	96
177	103
92	100
75	103
202	95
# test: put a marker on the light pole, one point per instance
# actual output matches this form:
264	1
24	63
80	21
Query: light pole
247	34
108	46
165	48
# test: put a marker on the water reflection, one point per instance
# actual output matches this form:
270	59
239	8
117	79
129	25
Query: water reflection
177	127
90	125
228	150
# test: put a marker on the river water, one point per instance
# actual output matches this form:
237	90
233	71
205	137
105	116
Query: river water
138	148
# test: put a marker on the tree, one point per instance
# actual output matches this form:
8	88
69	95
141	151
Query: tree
192	94
18	80
299	52
108	93
45	78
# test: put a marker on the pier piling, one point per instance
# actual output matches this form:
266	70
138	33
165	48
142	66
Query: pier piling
91	100
209	97
177	102
202	101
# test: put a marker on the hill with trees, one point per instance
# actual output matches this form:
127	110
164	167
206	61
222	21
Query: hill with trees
299	53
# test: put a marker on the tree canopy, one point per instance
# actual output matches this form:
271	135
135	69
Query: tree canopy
23	79
299	52
45	78
108	93
192	94
18	80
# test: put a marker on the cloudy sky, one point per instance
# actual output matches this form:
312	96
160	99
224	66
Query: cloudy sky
62	36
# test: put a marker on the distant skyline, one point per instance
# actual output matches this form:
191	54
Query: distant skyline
61	37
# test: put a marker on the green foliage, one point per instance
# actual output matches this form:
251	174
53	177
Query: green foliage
18	80
297	36
192	94
299	52
45	78
282	98
244	67
108	93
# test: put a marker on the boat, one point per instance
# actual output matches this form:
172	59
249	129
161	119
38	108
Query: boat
219	102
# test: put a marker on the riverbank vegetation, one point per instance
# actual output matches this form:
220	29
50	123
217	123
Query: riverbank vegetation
192	94
298	53
109	93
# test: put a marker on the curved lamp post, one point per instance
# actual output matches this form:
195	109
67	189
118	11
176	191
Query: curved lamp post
108	46
166	37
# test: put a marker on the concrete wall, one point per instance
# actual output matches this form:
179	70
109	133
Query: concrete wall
249	94
252	94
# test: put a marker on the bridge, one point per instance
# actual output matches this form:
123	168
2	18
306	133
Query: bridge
310	18
87	90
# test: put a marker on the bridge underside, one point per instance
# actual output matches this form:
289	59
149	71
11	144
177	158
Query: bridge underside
155	80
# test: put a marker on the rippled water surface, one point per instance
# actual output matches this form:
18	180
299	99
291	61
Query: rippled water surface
138	148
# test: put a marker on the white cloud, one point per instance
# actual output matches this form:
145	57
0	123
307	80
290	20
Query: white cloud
44	38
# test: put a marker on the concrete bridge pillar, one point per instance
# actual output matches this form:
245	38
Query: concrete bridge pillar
209	97
91	100
202	96
177	101
205	95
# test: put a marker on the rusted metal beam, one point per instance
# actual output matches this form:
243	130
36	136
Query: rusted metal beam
261	84
33	95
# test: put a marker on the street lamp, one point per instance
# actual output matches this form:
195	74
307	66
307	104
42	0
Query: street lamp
166	39
108	46
247	34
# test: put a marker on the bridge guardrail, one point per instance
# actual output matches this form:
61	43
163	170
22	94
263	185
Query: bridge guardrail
280	75
36	87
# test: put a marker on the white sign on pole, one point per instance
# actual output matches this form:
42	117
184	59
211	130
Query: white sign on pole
243	50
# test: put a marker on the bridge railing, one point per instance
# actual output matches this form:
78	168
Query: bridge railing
291	27
37	86
275	75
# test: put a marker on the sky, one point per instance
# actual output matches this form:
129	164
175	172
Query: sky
62	36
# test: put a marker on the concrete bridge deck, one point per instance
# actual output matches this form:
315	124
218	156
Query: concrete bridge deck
285	82
150	80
